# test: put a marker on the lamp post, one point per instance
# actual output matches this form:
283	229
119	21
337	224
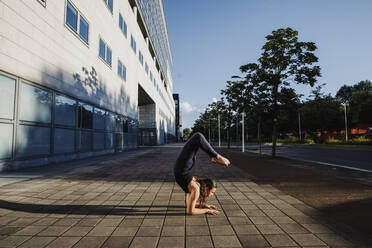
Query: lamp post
237	130
299	125
219	131
209	132
346	138
259	132
243	114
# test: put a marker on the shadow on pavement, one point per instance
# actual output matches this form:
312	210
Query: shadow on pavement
137	210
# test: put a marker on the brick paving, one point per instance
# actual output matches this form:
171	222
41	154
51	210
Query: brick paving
133	201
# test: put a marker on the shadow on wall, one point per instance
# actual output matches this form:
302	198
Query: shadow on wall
89	86
34	137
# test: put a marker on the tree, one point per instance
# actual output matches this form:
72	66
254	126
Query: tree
289	104
284	60
359	98
321	113
186	133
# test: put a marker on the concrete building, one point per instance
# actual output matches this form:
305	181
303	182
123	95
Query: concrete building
178	122
82	78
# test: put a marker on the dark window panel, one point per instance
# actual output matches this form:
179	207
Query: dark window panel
71	16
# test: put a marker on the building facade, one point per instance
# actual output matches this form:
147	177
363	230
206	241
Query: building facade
82	78
178	122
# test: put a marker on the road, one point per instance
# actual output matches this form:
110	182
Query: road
341	157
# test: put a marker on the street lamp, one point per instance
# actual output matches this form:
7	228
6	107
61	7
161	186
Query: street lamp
219	131
346	138
299	125
243	114
209	132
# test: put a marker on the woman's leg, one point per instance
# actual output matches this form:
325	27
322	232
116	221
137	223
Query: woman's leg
202	142
199	141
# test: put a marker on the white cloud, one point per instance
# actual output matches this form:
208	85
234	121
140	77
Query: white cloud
214	99
185	106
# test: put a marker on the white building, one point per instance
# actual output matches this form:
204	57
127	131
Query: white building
80	78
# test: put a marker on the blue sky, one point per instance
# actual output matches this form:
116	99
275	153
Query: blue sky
211	39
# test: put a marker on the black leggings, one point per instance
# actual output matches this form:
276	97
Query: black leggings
187	158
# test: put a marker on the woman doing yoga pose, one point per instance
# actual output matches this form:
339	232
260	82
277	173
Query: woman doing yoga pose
195	188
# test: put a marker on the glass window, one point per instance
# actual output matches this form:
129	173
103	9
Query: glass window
71	16
99	141
150	76
109	141
140	57
133	43
105	52
85	116
125	28
118	141
108	59
146	68
119	124
64	140
35	104
110	4
102	49
121	21
84	27
124	73
131	125
122	25
65	111
7	92
125	125
32	140
42	2
120	69
85	141
99	119
6	140
110	121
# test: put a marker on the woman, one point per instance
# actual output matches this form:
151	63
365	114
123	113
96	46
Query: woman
195	188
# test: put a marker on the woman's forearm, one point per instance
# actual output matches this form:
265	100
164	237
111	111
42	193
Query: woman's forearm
199	205
196	211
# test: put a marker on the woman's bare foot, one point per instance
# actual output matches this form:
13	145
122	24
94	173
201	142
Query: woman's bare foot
221	160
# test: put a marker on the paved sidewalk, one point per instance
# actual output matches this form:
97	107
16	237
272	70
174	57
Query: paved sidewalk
120	201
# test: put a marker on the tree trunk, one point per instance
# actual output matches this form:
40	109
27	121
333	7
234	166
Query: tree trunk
228	137
275	120
273	148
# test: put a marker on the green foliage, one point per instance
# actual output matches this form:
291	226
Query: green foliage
289	140
359	99
332	140
271	105
284	60
344	94
186	133
309	141
362	140
321	113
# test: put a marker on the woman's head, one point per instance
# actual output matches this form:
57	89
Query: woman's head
207	188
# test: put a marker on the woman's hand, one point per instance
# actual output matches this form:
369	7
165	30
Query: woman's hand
210	206
213	212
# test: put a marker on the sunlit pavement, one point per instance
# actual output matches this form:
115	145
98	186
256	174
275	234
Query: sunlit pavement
132	201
